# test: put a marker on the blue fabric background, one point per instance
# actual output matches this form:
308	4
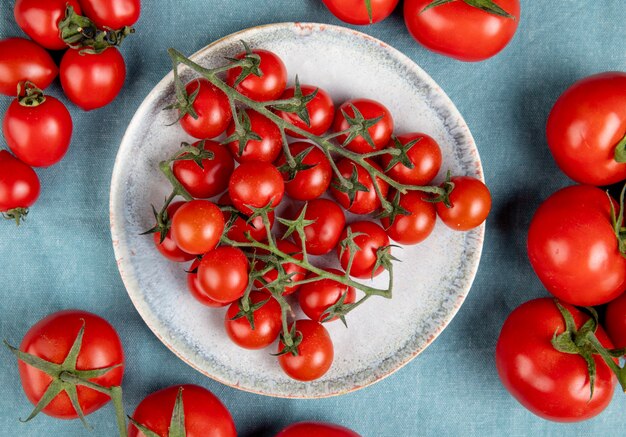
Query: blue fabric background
62	256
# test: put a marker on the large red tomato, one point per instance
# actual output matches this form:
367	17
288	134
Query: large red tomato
356	11
461	29
39	19
19	186
615	321
211	178
23	60
317	429
113	14
586	125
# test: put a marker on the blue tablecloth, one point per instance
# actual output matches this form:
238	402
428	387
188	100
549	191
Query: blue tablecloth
62	256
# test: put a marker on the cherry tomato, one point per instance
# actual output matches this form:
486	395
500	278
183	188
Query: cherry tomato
168	247
211	178
19	184
197	226
92	81
240	227
321	111
417	225
316	297
39	19
322	236
255	184
266	149
551	384
380	132
205	415
211	107
38	135
317	429
298	273
573	248
23	60
425	155
223	274
267	323
471	203
355	11
51	339
584	127
269	86
459	30
308	183
315	352
615	321
194	287
365	202
372	238
113	14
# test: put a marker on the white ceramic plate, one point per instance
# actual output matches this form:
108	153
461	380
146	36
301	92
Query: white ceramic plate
431	282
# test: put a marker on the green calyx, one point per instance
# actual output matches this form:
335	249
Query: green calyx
250	64
394	209
368	6
401	155
177	422
620	150
298	165
488	6
18	215
359	126
29	95
248	312
184	103
351	186
444	197
298	103
617	220
243	132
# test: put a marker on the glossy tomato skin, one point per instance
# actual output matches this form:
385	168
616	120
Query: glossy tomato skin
168	247
212	178
267	323
240	227
551	384
573	248
223	274
615	321
425	156
316	297
19	184
38	135
415	227
298	273
317	429
321	111
370	109
269	86
195	288
373	238
211	107
315	352
40	20
471	204
197	226
310	183
92	81
461	31
23	60
585	125
267	149
255	184
113	14
322	236
205	415
52	338
355	11
365	202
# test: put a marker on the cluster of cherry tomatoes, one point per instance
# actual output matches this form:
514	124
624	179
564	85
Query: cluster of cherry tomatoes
468	30
556	359
38	127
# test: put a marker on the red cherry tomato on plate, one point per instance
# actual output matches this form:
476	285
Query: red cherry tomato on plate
168	247
255	184
317	429
471	204
269	85
356	12
19	186
266	149
195	288
316	297
298	273
364	202
212	108
320	109
197	226
424	154
240	227
267	322
113	14
372	238
615	321
322	236
380	132
223	274
315	352
417	225
22	60
211	178
313	179
39	19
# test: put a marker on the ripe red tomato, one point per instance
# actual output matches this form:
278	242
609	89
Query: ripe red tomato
584	127
266	149
369	109
168	247
92	81
269	86
365	202
19	185
471	204
309	183
197	226
461	31
51	339
321	111
23	60
355	11
315	353
372	238
211	107
322	236
240	227
205	415
425	155
316	297
39	19
615	321
267	323
38	135
415	227
298	273
194	287
223	274
317	429
255	184
113	14
573	248
212	178
551	384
